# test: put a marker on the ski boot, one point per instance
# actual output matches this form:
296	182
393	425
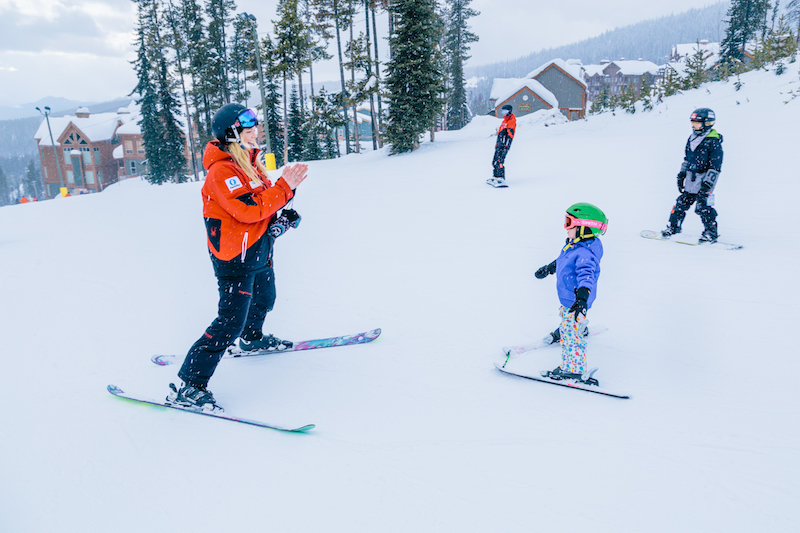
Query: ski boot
267	343
670	231
558	374
194	397
709	236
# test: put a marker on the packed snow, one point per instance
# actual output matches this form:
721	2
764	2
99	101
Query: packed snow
418	431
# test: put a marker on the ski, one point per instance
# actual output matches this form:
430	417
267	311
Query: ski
690	240
119	393
234	351
523	348
563	383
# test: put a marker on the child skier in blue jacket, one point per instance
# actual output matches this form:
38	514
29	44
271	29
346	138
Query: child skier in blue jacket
577	269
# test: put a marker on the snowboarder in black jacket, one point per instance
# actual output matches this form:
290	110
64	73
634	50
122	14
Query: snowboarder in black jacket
699	174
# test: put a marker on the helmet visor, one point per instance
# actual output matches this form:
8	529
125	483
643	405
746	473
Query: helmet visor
247	119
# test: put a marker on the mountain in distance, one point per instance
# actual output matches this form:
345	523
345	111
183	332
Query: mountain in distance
59	107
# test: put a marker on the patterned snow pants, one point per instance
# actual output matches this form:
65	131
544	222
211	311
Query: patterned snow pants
573	343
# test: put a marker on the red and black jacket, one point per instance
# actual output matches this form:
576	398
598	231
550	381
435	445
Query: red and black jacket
505	134
238	212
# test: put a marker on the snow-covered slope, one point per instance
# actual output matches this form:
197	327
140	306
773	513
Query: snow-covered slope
417	431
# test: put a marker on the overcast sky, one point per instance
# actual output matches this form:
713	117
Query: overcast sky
81	49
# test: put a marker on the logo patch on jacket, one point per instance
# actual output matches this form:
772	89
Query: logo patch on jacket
214	231
233	183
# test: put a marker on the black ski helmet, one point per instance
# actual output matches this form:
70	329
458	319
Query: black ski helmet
508	108
705	116
222	125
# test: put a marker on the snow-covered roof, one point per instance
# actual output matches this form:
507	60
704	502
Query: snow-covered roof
117	153
688	49
99	127
505	88
573	67
636	68
131	128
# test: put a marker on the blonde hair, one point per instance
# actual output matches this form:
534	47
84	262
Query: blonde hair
242	158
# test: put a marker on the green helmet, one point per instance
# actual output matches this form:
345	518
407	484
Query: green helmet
588	216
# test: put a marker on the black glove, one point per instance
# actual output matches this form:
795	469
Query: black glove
682	175
288	219
292	216
580	306
546	270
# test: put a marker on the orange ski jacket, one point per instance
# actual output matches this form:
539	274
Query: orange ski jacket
238	212
509	124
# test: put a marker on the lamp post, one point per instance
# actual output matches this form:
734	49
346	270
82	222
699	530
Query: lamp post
269	157
46	114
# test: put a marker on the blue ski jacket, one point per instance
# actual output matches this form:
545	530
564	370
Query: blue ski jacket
578	265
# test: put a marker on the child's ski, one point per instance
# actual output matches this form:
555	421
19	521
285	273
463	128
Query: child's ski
119	393
563	383
691	240
235	351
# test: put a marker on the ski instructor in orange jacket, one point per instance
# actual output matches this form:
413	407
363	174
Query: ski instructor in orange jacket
505	134
240	208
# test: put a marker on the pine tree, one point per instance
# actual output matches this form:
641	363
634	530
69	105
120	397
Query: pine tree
456	42
695	68
628	98
646	92
220	15
745	19
150	123
672	81
296	135
171	155
415	79
159	108
241	58
273	99
33	184
5	188
190	25
328	119
291	52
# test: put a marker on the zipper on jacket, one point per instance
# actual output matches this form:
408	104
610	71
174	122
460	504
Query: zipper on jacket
244	246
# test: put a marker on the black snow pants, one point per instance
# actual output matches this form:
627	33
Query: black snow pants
707	213
243	305
498	162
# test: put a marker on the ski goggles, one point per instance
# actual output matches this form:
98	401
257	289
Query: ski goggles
572	222
247	119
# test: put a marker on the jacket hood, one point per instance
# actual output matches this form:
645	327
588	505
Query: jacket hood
214	154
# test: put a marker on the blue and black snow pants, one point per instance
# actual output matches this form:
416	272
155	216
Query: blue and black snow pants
243	305
707	213
498	162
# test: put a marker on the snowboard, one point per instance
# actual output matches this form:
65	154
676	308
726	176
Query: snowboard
234	350
691	240
570	384
119	393
497	183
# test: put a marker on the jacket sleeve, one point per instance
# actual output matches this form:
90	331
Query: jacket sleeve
586	269
715	155
228	189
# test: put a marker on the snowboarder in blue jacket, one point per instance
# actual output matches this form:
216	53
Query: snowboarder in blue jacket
577	269
699	174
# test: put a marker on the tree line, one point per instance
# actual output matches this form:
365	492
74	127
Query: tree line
756	37
193	57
